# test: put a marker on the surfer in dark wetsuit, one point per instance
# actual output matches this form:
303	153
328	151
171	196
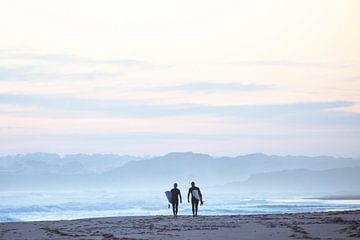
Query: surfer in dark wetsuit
194	200
175	194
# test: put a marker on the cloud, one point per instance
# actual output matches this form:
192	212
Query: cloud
14	73
88	124
213	87
32	73
355	78
289	63
68	59
312	113
37	66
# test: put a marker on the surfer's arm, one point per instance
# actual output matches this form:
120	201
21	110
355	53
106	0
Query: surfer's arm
189	195
180	197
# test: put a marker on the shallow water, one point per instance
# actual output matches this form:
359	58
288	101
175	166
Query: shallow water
36	206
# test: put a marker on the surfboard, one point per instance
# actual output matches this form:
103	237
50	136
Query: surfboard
168	196
196	195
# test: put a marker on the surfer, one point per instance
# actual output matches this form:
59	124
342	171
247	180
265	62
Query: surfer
195	198
175	194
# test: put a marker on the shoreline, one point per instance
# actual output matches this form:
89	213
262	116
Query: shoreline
338	197
189	215
319	225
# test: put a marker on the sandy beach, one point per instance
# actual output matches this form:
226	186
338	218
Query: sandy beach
324	225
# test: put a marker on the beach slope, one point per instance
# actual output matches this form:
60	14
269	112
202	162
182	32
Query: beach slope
325	225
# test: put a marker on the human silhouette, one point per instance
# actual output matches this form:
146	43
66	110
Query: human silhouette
194	200
175	195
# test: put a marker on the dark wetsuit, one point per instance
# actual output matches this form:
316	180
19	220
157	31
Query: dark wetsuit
194	201
175	193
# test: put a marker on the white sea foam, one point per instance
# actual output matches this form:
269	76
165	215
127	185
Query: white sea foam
36	206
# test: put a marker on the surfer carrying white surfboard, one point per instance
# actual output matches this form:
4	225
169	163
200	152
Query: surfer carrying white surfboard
196	196
175	195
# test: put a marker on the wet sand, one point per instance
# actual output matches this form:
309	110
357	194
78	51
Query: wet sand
325	225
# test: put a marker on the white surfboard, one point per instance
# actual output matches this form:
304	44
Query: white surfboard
168	195
196	195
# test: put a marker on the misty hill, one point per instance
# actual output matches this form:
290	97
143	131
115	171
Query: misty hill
185	167
339	181
34	163
104	171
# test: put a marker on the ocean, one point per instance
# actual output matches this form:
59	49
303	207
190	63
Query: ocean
40	206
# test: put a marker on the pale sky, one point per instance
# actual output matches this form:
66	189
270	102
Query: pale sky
150	77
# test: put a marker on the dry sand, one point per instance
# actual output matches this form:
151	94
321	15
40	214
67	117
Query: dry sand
325	225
